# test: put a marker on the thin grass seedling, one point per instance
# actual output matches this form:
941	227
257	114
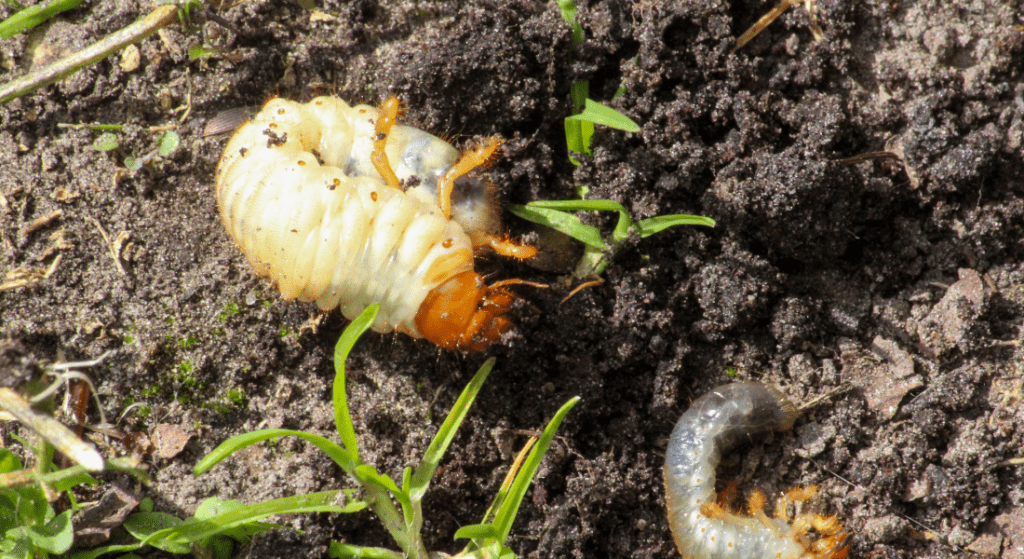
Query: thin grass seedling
579	128
555	214
218	524
160	17
399	505
34	15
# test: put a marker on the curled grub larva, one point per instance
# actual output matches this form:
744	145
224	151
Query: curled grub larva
343	206
702	525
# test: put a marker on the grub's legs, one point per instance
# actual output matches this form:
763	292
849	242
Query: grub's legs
469	161
509	248
385	120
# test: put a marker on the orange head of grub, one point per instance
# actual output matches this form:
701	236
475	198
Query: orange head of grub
464	313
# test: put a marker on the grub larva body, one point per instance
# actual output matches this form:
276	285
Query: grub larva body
703	527
341	206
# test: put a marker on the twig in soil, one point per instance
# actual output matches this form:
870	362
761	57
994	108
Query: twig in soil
39	224
867	157
767	19
842	389
1010	462
113	248
159	18
22	277
53	431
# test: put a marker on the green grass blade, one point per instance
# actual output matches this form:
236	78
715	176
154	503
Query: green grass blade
119	465
621	227
346	551
33	16
340	456
560	221
477	532
369	474
577	132
160	17
580	205
656	224
606	116
510	507
194	531
100	551
65	479
569	11
342	415
445	435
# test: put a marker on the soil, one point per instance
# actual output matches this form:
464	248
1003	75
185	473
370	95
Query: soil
891	286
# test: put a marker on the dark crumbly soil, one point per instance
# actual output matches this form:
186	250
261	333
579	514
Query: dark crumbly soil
898	276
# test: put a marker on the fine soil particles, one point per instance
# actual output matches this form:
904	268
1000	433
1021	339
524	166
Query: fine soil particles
868	187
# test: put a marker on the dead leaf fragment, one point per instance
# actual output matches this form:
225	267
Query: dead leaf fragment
317	15
39	223
170	440
94	523
130	59
62	195
986	544
113	247
22	277
137	443
951	318
888	384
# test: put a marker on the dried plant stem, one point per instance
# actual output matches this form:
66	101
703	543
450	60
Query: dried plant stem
159	18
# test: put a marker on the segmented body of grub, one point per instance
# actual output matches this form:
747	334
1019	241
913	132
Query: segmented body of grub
309	193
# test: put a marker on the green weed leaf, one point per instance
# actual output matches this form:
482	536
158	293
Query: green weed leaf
195	52
656	224
604	115
9	462
105	142
145	525
53	537
168	143
560	221
477	532
134	163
